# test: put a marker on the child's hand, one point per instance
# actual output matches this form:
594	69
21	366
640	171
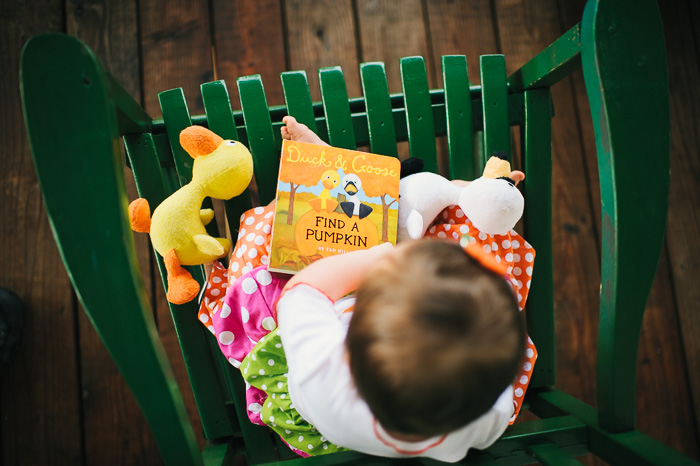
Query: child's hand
341	274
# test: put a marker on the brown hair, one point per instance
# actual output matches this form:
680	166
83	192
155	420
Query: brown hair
434	340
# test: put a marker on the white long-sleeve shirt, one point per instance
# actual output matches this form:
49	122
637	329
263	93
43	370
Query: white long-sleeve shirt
313	330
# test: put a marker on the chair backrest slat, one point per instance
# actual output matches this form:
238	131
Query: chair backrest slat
536	143
262	140
334	94
176	116
380	117
458	108
297	96
419	112
217	106
494	101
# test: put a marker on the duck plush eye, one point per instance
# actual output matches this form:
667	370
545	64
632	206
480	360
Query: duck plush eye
231	143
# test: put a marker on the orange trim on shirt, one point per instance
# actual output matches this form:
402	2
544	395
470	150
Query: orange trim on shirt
401	450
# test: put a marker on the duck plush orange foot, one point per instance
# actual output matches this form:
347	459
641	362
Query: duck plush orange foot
222	169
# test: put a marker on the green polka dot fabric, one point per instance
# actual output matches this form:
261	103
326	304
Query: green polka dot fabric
265	368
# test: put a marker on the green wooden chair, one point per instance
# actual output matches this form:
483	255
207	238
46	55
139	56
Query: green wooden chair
76	114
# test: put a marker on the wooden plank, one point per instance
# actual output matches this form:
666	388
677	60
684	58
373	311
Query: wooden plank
40	413
321	33
383	35
125	436
684	213
175	52
248	39
465	28
383	27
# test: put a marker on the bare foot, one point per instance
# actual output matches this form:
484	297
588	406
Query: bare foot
295	131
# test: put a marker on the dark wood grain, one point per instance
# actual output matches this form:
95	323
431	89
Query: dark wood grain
382	27
321	33
459	28
176	49
39	391
462	28
249	39
682	25
116	431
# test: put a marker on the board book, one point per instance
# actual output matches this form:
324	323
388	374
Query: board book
331	201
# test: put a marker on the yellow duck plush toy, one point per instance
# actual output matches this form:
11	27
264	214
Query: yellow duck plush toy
222	169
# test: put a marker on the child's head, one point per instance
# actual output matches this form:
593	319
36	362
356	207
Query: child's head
434	340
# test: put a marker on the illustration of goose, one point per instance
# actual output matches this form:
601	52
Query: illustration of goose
329	180
352	185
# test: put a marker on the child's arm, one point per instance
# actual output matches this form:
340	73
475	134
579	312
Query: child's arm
341	274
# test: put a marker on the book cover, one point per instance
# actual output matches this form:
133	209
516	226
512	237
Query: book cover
331	201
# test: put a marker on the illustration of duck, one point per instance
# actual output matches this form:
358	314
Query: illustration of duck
329	180
352	185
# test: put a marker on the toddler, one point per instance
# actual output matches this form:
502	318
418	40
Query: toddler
419	362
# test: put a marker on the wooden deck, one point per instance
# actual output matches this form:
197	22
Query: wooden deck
62	400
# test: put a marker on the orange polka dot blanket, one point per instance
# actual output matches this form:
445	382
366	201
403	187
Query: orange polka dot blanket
238	327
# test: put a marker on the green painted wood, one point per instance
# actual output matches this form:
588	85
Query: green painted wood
220	454
625	72
551	455
258	442
359	118
458	108
632	447
297	96
200	362
494	101
72	126
380	117
566	431
217	106
131	117
551	65
537	162
336	109
176	116
419	115
196	343
263	142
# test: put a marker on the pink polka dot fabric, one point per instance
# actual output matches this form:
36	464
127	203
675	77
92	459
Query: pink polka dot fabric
238	303
517	255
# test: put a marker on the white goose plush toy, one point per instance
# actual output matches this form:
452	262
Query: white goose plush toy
492	202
